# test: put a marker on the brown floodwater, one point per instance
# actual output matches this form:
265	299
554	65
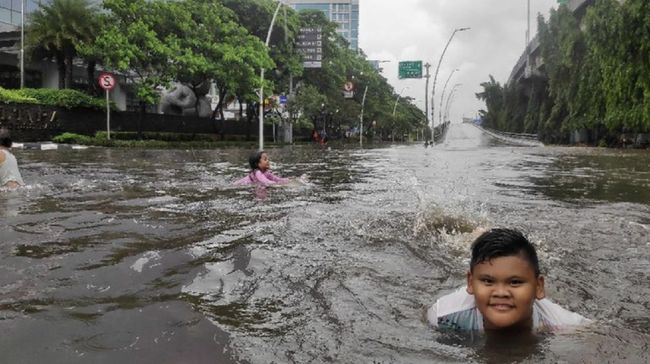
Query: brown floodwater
152	256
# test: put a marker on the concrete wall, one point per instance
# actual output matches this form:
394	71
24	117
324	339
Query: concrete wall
38	123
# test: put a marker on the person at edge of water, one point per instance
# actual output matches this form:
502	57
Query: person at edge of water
9	173
260	173
504	292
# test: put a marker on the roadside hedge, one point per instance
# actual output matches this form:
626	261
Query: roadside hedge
68	99
11	96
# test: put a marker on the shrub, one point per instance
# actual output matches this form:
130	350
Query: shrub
71	138
15	96
160	136
68	99
116	141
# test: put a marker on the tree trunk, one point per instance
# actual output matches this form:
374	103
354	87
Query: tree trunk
222	96
60	64
68	72
250	113
141	119
90	73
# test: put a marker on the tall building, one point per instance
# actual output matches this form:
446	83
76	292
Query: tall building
345	13
10	10
37	74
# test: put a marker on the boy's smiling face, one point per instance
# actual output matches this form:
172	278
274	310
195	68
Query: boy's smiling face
504	289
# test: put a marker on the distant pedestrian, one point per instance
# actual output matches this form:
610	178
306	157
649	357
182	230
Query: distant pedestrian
9	173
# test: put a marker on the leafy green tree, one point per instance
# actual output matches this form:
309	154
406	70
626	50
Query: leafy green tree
563	50
618	36
207	44
492	94
56	31
256	16
130	44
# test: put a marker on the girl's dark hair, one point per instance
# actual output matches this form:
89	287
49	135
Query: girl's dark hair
498	243
254	159
5	138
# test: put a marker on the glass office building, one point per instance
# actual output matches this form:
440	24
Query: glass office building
10	10
345	13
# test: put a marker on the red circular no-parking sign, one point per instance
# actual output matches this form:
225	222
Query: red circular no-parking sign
107	81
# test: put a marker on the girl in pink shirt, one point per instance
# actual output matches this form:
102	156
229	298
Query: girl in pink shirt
260	173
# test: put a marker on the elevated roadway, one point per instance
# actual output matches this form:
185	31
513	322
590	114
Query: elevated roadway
532	57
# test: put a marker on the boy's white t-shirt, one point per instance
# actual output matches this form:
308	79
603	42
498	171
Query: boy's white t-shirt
458	310
9	169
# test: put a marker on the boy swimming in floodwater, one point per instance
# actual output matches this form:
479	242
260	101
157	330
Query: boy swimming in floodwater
505	290
260	173
9	173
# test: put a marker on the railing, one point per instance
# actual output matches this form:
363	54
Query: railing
513	138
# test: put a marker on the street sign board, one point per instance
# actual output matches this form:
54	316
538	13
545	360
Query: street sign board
410	69
283	99
107	81
310	44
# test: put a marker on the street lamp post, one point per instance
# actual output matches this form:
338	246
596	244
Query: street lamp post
363	103
435	77
261	115
452	94
442	95
450	101
426	98
397	99
392	131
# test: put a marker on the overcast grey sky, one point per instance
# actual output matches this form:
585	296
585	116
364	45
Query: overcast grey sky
404	30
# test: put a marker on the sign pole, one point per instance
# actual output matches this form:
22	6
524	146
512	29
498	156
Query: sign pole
108	116
107	82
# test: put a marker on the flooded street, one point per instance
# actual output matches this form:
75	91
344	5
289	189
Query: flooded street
151	256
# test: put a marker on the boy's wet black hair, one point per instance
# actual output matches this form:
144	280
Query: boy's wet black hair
254	159
5	138
498	243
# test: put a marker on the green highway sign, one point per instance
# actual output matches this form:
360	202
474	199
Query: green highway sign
410	69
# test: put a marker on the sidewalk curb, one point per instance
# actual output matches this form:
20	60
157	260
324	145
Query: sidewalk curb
46	146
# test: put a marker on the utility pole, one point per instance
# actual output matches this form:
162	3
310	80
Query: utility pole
426	94
261	115
22	44
527	69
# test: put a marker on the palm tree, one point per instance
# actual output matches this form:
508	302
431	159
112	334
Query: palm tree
56	30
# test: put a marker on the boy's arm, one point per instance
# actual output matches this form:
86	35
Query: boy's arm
557	317
432	315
